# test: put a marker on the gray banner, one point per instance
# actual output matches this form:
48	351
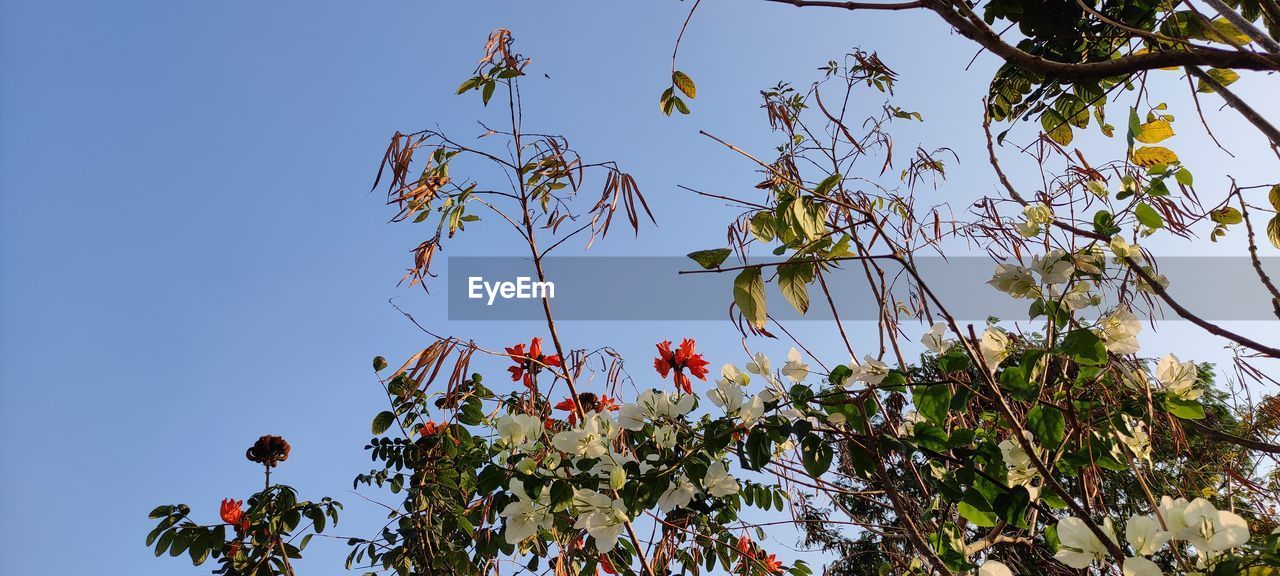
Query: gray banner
651	288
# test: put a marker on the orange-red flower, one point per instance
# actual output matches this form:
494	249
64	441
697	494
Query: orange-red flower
607	404
429	429
683	358
528	364
606	565
233	515
744	545
771	564
589	403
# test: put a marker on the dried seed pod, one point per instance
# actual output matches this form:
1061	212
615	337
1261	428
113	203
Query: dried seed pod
268	451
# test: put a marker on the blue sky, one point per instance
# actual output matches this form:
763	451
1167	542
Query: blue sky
190	257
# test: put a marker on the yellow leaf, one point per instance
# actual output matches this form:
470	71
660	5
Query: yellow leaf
1273	231
1154	131
1274	197
1224	77
1226	33
684	83
1148	156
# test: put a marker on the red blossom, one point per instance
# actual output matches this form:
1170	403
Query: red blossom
606	565
771	564
528	364
744	545
586	402
233	515
683	358
429	429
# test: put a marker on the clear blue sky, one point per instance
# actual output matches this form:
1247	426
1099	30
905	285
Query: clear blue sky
190	258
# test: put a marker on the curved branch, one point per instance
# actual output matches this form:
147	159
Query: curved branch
962	18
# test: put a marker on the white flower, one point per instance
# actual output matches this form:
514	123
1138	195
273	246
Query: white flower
1123	249
1120	331
678	495
1098	187
726	395
1035	216
795	368
654	405
935	339
752	410
1054	267
1015	281
1179	378
730	373
1211	530
871	371
587	440
994	347
1145	535
1171	511
1020	470
524	517
601	516
664	436
1079	545
994	568
1137	440
1140	567
718	481
518	430
1076	297
760	365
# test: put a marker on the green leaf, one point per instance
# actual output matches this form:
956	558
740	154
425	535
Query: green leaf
748	295
1148	216
827	184
1183	176
1056	127
1184	409
931	437
1048	424
1273	231
975	508
382	421
932	402
759	449
816	455
1274	197
764	226
793	281
1012	506
1014	379
684	83
1084	347
379	363
709	259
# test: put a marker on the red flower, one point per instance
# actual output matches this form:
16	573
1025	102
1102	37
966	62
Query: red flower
607	404
683	358
606	565
233	515
429	429
588	402
744	545
771	564
528	364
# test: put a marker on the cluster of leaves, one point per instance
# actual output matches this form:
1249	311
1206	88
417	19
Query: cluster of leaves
276	528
